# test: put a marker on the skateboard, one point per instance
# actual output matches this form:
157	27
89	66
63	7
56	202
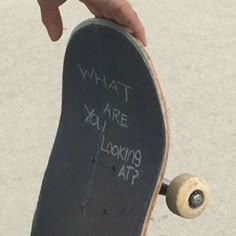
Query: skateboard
108	160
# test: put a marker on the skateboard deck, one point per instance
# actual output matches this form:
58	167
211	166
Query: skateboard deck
108	159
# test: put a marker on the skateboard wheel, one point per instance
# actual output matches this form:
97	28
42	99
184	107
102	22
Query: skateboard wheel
187	196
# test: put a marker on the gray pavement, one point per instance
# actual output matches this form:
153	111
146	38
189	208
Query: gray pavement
193	47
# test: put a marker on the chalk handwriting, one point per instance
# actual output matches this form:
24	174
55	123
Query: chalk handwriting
108	113
128	173
119	89
93	119
131	159
126	154
115	115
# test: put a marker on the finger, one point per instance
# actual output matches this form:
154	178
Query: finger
124	14
51	18
94	10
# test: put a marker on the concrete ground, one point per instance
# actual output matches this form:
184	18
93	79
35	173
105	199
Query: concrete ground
193	47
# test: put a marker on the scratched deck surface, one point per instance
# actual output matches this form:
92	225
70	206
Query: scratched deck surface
111	141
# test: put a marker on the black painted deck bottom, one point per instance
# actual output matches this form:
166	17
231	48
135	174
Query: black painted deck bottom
110	143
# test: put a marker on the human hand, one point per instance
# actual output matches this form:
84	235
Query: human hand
119	11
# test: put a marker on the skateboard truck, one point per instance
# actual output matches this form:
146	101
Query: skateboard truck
186	195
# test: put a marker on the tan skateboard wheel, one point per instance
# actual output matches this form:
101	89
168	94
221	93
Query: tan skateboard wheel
187	196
